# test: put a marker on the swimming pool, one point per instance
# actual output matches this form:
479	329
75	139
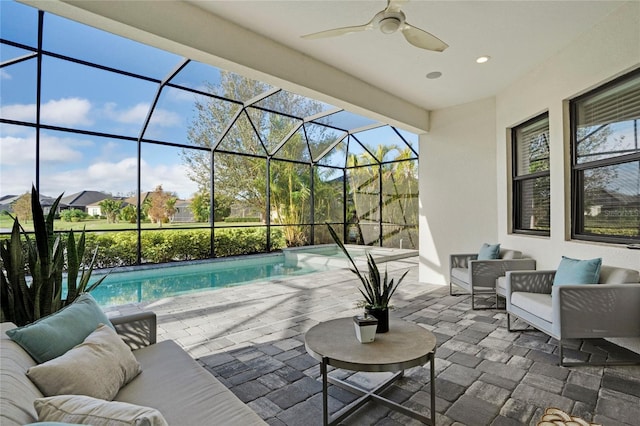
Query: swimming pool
145	284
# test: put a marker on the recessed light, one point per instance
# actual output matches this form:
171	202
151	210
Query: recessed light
433	75
483	59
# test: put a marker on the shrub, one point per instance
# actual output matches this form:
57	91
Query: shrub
120	248
242	219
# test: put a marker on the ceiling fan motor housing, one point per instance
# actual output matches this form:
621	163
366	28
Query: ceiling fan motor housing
389	22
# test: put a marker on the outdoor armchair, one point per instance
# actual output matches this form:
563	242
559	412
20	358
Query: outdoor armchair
576	311
478	277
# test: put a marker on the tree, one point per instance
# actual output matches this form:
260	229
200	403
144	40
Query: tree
22	207
110	208
162	206
221	207
201	206
128	213
243	178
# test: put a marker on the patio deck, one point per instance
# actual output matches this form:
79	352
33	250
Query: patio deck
252	338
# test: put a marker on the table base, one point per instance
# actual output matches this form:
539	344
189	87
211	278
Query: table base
373	395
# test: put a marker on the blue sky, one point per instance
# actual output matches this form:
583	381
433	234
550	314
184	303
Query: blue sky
80	97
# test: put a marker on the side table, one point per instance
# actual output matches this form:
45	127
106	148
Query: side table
405	345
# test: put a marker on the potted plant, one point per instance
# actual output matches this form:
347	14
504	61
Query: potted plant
377	290
31	280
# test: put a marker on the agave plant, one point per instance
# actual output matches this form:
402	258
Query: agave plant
377	290
41	257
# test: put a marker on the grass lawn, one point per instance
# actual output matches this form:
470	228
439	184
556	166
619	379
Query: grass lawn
101	224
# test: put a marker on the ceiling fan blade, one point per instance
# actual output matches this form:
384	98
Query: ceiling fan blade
339	31
423	39
394	5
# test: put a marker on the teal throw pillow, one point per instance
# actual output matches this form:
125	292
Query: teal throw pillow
489	251
575	271
54	335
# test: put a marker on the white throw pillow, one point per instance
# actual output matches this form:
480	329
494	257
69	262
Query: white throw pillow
97	412
97	367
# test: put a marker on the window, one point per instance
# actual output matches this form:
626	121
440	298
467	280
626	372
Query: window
606	162
531	184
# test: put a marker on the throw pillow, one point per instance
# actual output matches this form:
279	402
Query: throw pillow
489	251
55	334
575	271
98	367
96	412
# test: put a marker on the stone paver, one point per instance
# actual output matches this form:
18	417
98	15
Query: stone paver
252	339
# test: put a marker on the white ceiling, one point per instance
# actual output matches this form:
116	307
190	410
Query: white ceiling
518	35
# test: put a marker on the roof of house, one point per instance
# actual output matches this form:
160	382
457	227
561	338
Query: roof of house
84	198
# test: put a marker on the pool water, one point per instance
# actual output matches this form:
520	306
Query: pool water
148	284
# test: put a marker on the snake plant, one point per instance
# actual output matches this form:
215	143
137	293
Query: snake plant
31	282
377	290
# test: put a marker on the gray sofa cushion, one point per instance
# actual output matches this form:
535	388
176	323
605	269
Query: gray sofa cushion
18	392
201	399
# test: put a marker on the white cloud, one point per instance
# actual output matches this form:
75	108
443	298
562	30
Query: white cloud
119	177
65	111
5	75
20	151
20	112
138	113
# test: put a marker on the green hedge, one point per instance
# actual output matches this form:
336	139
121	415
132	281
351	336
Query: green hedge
120	248
242	219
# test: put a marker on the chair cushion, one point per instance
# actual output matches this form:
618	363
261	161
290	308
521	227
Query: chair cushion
501	286
538	304
461	274
98	367
575	271
507	254
615	275
55	334
489	251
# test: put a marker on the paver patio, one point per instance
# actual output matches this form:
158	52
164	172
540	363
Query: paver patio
251	337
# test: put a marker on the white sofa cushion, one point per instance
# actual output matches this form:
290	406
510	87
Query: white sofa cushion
538	304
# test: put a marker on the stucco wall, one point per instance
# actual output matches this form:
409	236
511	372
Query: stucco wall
608	50
457	186
464	159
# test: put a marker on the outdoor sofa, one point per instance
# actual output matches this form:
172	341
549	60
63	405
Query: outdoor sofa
608	308
170	382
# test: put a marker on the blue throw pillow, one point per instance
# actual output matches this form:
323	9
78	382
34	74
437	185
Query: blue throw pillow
55	334
488	252
575	271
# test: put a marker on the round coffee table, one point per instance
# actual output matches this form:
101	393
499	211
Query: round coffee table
405	345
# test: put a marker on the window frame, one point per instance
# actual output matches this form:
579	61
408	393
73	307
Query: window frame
518	180
578	169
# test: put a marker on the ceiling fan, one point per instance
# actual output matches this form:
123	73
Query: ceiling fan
390	20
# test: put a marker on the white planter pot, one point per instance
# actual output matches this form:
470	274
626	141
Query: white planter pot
365	328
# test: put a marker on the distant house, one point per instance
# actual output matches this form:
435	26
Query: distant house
243	210
46	202
81	200
183	212
6	201
94	209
